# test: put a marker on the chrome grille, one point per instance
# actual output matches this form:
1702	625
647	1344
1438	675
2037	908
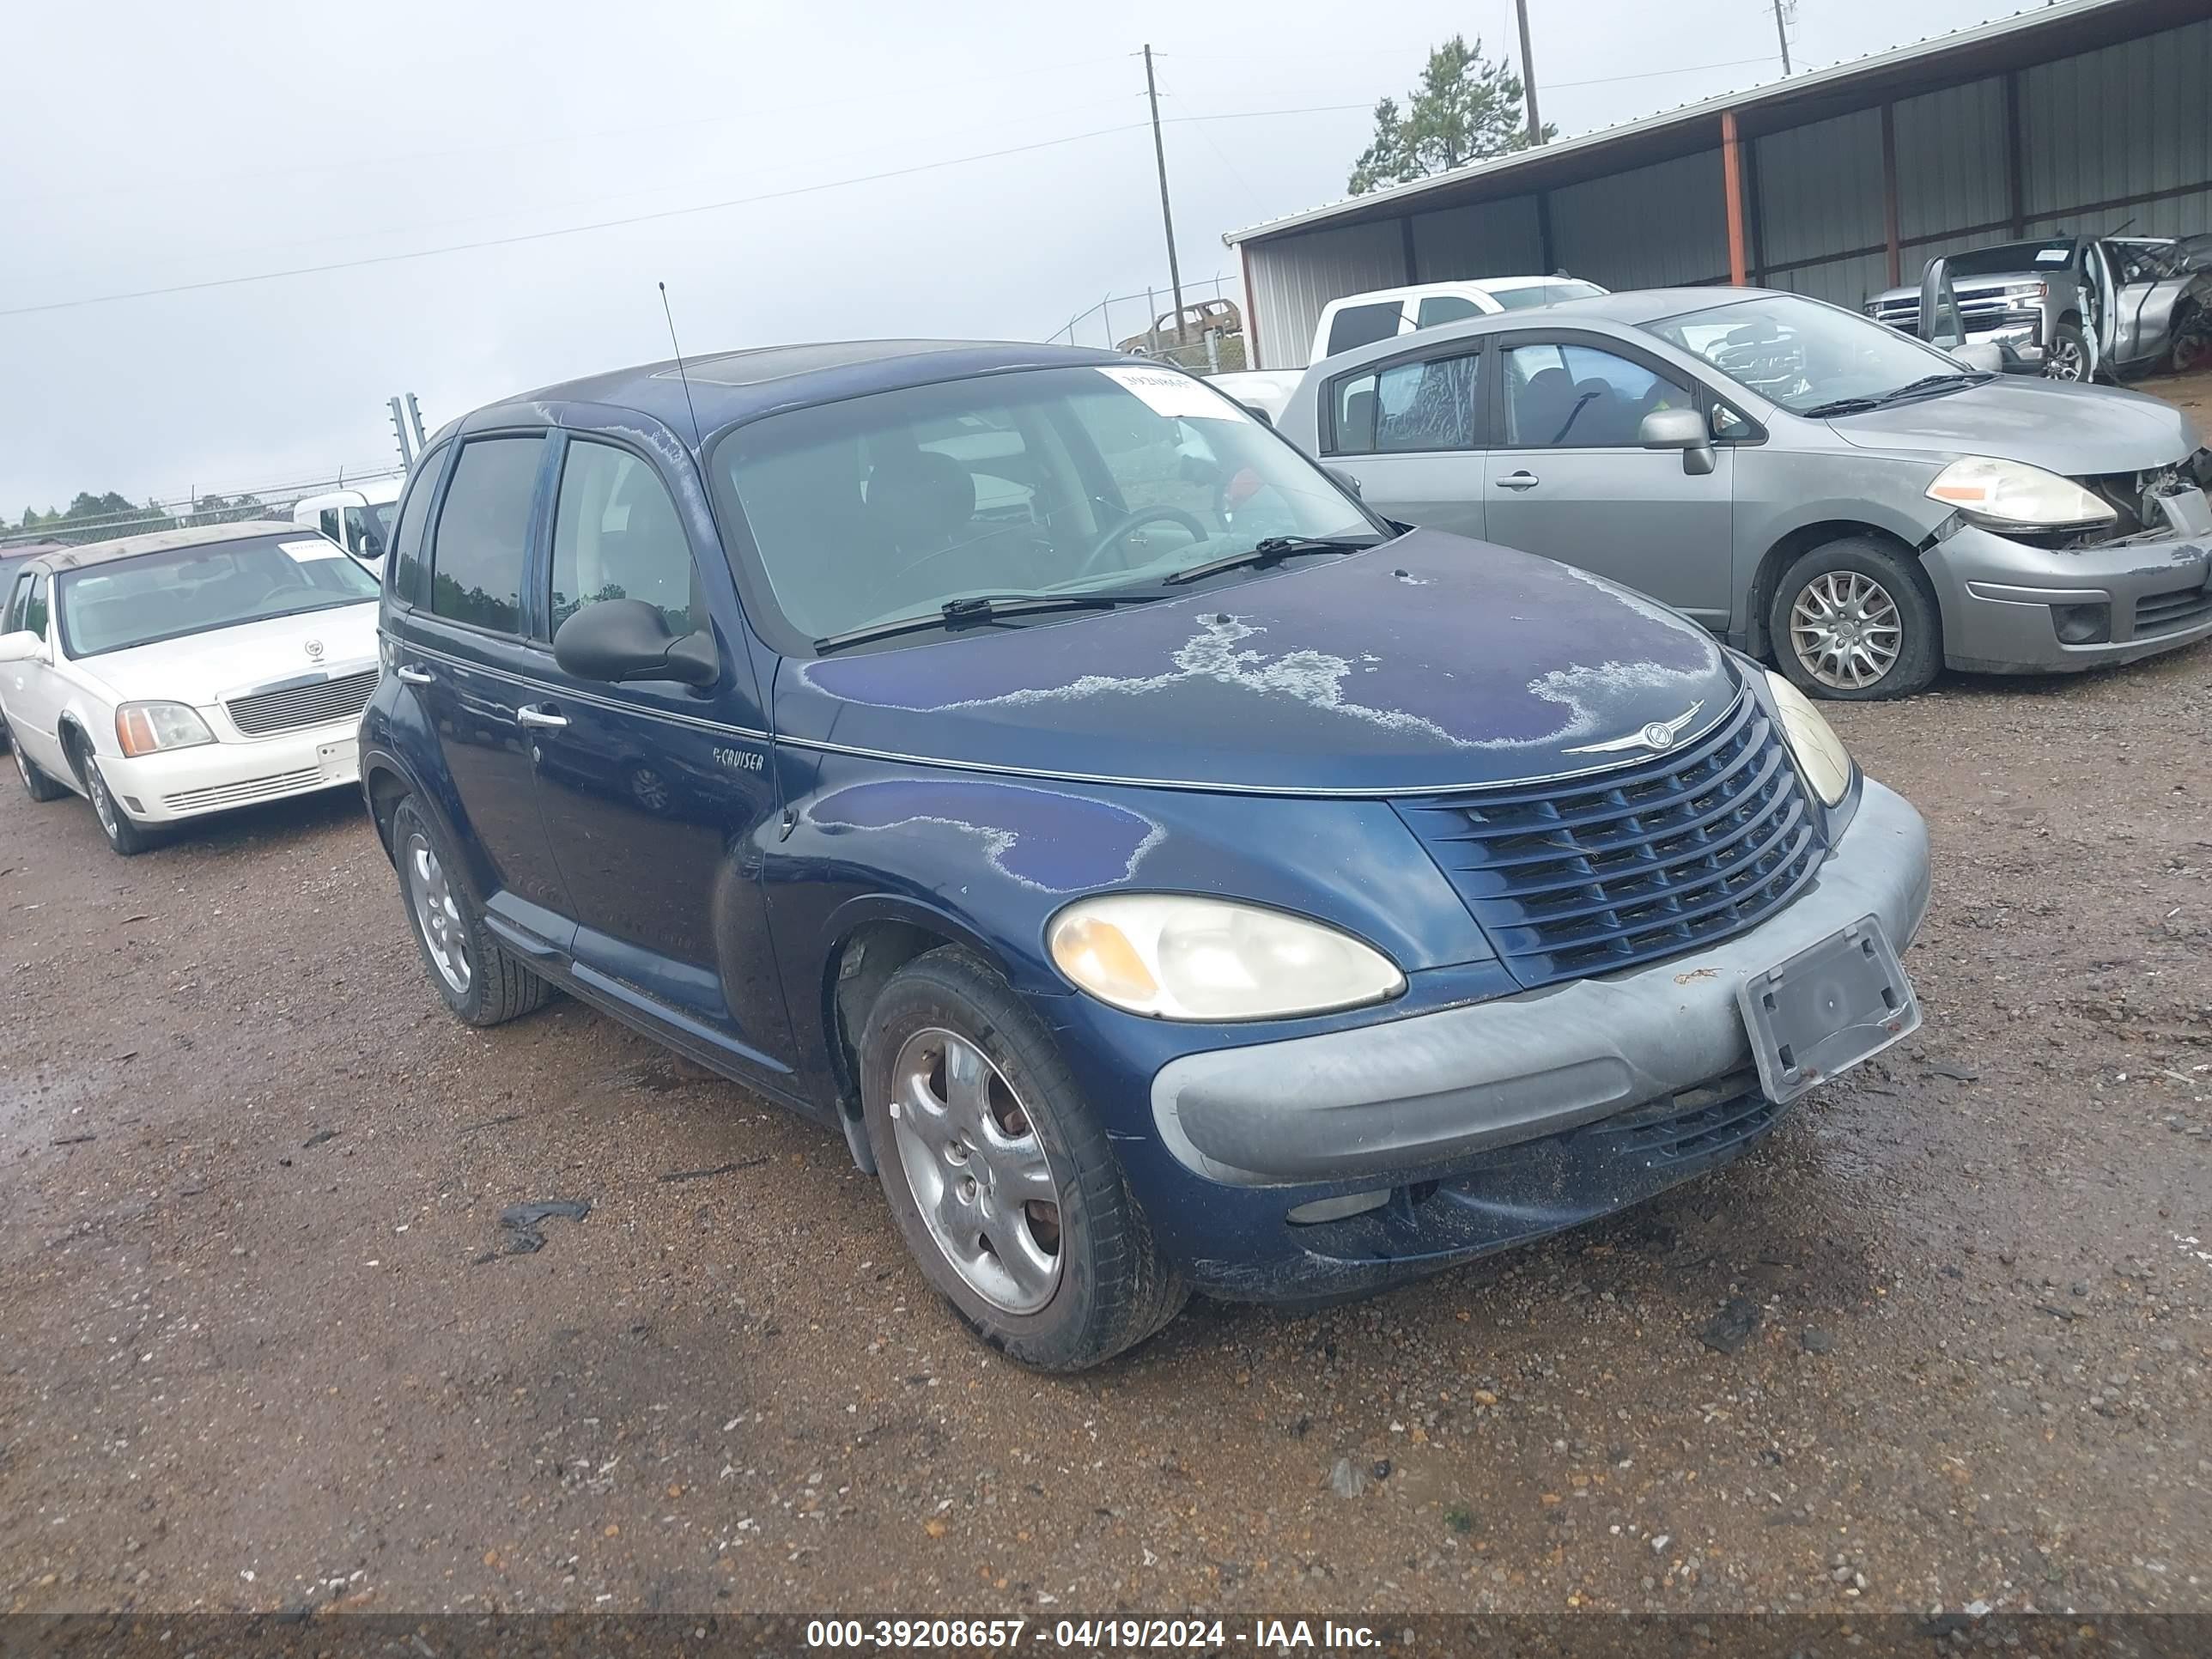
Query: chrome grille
1585	878
1976	311
248	789
260	714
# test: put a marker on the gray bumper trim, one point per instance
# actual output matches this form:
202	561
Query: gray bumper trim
1417	1092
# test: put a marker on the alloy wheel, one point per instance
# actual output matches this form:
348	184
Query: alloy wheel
103	804
2065	361
437	917
977	1169
1846	629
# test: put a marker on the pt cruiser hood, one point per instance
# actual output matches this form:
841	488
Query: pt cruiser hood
2069	430
1429	663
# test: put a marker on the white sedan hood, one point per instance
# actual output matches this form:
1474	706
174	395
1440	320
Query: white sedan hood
202	669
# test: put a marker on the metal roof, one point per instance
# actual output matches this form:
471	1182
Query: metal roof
2006	43
166	541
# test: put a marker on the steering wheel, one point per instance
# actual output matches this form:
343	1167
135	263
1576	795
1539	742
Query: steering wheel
282	595
1114	532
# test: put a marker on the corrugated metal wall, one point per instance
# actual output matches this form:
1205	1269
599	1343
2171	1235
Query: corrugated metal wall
2122	121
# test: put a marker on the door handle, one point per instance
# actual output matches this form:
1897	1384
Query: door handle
530	714
415	676
1524	480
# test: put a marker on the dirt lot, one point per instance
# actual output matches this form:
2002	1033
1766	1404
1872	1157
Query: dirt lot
259	1347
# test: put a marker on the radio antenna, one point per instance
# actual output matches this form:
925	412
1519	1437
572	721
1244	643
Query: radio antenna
696	438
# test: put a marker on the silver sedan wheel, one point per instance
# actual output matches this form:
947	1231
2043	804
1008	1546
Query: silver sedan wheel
103	804
1846	629
2065	361
977	1169
437	917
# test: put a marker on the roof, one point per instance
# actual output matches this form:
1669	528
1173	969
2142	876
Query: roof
165	541
738	386
2031	37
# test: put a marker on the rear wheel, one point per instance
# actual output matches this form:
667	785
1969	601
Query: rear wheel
1855	619
481	980
999	1175
36	784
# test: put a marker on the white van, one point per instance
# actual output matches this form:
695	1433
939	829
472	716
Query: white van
358	519
1359	320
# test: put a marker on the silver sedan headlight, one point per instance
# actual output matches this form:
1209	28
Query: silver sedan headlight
143	728
1178	958
2002	492
1819	752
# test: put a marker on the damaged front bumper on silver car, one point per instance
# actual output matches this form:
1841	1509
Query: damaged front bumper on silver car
2010	608
1440	1088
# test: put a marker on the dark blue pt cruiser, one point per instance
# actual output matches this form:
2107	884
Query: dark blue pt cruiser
1167	874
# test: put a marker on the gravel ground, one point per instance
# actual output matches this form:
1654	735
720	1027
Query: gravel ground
261	1342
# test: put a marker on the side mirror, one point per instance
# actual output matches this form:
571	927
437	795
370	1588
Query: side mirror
1680	428
1345	478
622	640
21	646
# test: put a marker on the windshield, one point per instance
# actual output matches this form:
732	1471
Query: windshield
2009	258
1543	294
1801	354
1070	481
192	590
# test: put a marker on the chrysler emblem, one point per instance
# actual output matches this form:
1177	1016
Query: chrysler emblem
1658	737
314	650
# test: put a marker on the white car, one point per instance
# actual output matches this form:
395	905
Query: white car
358	519
1262	391
168	676
1359	320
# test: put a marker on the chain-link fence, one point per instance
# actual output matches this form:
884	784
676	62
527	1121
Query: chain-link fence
263	502
1211	340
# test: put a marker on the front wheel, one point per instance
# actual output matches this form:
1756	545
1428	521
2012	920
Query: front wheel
1000	1179
1856	620
2068	356
125	834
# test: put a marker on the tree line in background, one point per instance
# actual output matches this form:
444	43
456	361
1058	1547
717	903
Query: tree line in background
92	518
1466	108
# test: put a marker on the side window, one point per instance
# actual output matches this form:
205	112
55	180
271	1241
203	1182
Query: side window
616	536
11	615
1408	406
1577	397
1445	309
362	534
327	521
414	520
35	605
484	532
1727	423
1360	326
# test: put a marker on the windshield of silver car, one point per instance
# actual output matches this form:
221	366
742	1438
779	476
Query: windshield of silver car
1086	482
1809	357
192	590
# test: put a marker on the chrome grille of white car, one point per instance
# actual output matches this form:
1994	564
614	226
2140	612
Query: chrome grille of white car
262	714
248	789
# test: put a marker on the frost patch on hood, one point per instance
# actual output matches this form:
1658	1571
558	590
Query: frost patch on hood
1317	678
1047	841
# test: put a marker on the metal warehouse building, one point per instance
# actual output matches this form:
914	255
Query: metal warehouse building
2078	117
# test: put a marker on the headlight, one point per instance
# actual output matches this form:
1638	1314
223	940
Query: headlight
1198	958
144	728
1820	753
2025	290
2013	492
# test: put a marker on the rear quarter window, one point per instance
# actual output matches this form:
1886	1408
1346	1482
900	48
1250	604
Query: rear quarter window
1360	326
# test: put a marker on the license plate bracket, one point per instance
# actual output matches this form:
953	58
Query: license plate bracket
1832	1004
339	762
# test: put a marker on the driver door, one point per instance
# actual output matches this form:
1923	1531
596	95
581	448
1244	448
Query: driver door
2100	295
1941	325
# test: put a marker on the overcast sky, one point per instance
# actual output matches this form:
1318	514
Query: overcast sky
152	145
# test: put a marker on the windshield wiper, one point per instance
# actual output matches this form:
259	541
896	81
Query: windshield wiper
1273	550
968	613
1927	383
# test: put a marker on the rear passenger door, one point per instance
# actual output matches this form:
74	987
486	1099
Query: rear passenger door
1568	479
658	795
1411	432
465	652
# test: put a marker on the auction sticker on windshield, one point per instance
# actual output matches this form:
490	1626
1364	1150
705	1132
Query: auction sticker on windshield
308	552
1178	396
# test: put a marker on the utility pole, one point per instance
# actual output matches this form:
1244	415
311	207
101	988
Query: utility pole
1529	74
1167	218
1781	35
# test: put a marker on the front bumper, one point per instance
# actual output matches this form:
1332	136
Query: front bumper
1497	1122
215	777
1998	596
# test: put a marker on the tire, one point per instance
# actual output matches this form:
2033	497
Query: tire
483	982
2192	342
2068	356
1884	593
126	837
36	784
1106	1288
